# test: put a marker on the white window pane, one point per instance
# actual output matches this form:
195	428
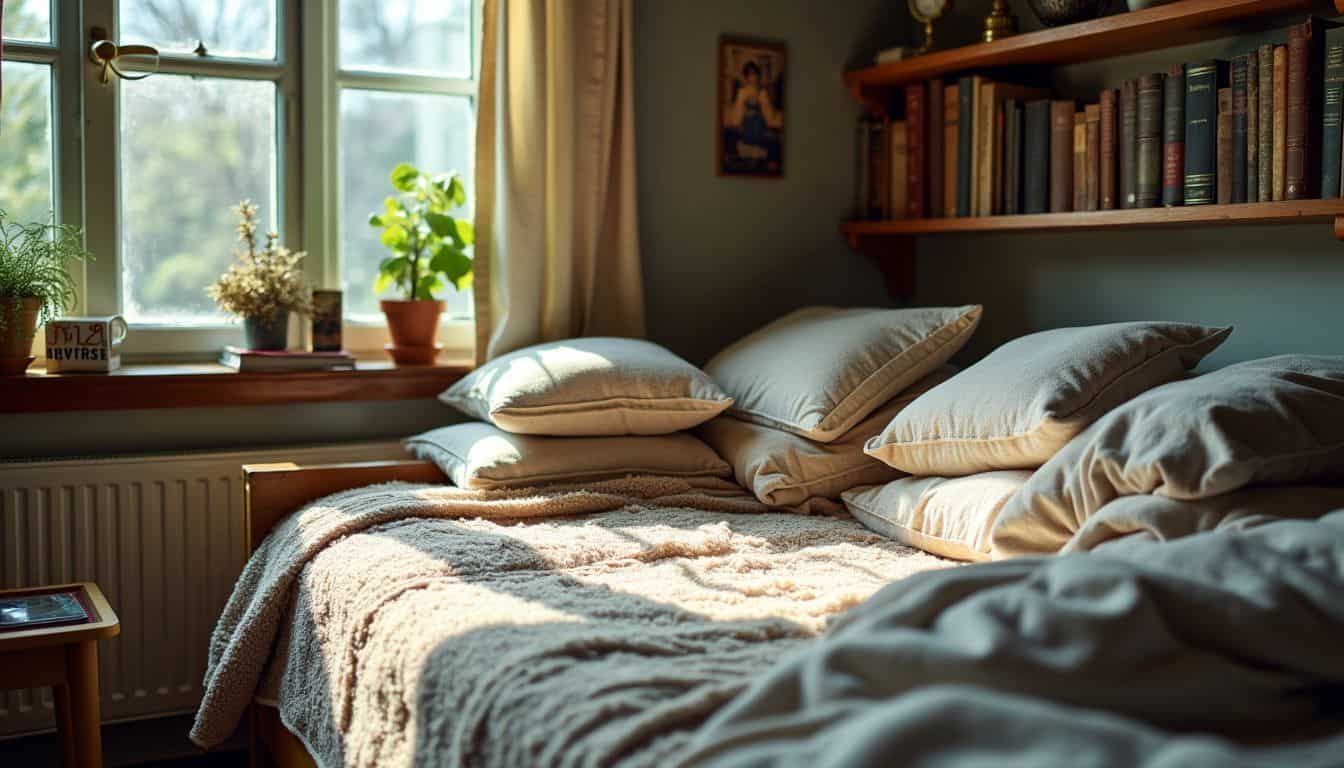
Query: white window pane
429	36
27	20
378	130
25	152
190	149
240	28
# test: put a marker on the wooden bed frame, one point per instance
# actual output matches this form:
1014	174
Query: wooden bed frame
271	492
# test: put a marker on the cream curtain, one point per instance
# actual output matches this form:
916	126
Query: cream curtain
557	249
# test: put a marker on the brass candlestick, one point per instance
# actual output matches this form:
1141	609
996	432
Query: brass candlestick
1000	22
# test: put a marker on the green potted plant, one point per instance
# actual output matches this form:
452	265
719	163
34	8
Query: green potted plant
263	286
429	247
35	283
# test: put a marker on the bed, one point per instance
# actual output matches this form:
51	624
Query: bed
716	589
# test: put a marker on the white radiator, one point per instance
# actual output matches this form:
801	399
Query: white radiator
162	538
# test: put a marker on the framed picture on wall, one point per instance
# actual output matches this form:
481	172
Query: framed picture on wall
750	128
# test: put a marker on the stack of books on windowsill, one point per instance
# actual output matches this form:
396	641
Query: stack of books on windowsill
254	360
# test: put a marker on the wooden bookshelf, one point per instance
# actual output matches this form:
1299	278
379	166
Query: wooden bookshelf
1287	212
1165	26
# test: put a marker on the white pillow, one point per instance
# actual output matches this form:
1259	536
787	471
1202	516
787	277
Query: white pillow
593	386
819	371
480	456
1278	420
792	472
1024	401
948	517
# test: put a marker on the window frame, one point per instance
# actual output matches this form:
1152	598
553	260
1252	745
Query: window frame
308	78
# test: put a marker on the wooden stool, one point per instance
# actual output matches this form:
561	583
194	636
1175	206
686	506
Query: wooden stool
66	658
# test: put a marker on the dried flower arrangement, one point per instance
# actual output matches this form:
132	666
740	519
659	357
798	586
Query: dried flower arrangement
264	282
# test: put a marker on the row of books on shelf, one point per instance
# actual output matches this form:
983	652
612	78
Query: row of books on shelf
1265	126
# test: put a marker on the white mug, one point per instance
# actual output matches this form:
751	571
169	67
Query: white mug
85	343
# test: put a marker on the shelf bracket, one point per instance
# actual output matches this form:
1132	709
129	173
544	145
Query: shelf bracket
895	257
874	100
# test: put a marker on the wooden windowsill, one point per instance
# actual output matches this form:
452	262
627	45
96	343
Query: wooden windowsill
204	385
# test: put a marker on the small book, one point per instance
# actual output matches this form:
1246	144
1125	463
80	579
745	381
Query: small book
863	180
1266	129
1092	194
1252	128
1331	134
1061	156
1173	137
1240	73
1079	161
967	88
1148	187
252	360
1036	157
951	110
1012	157
898	156
32	611
879	199
1280	153
933	142
1129	143
1202	81
916	155
1106	173
1225	150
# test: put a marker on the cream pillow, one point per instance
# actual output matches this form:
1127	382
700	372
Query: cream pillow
785	470
819	371
1278	420
480	456
948	517
1024	401
594	386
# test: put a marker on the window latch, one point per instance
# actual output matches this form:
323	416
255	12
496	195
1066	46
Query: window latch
104	53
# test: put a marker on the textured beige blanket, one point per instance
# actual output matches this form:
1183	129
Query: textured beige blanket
423	634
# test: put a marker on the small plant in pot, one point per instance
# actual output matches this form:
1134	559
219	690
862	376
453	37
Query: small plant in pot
263	286
35	283
429	248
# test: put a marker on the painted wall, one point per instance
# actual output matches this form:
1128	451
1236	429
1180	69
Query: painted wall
723	256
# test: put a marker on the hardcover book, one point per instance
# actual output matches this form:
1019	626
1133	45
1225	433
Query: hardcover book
1012	157
898	162
1129	143
951	109
1092	195
1202	81
988	147
1079	201
1061	156
1280	119
933	140
1240	73
252	360
1148	192
1036	157
1333	106
1266	129
863	177
1306	64
967	89
1173	137
916	157
1106	173
879	198
1224	161
1252	128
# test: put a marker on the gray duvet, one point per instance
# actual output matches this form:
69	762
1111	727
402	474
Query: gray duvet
1224	648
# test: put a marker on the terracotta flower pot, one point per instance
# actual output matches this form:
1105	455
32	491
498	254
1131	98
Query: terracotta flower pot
16	338
412	325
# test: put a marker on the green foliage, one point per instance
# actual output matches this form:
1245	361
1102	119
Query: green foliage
35	264
428	244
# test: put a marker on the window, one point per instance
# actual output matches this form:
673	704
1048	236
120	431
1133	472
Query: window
221	117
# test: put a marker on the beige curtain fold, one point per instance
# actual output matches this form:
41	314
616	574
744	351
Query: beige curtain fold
557	248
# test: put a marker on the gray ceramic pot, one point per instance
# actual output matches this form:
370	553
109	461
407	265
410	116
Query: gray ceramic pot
269	335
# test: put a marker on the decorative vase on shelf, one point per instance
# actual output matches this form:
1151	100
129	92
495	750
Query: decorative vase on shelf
1054	13
267	333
